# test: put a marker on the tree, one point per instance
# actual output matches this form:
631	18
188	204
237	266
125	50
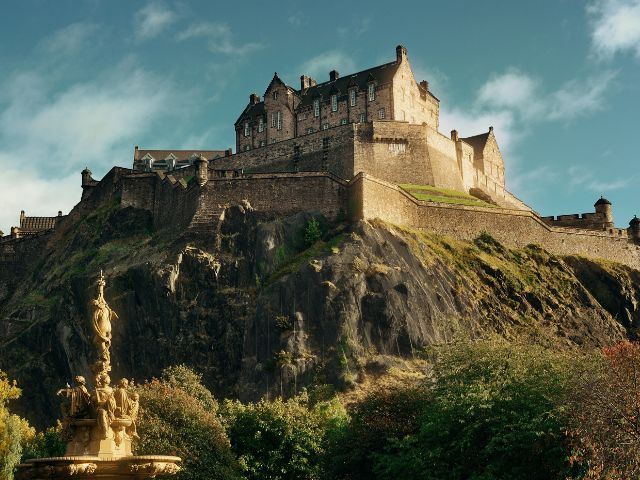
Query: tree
606	412
497	410
15	432
281	440
178	417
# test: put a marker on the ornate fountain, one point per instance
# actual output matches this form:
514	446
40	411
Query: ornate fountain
99	424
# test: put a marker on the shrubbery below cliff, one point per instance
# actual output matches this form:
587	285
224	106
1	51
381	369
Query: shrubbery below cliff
491	409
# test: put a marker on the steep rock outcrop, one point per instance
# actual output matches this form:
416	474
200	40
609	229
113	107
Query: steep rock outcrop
263	310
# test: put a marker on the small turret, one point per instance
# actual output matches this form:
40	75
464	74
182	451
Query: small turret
202	170
603	207
86	177
634	229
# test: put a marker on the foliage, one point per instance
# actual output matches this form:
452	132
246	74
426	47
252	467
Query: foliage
312	232
45	444
605	411
14	431
378	420
498	411
279	439
184	378
176	418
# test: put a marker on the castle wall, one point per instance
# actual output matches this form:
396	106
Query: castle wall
175	202
516	228
282	193
444	160
335	154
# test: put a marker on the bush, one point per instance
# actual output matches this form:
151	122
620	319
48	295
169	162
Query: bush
605	412
177	417
312	232
45	444
498	411
279	439
15	432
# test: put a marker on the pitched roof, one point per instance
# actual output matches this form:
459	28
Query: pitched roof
478	142
38	224
180	155
381	74
253	110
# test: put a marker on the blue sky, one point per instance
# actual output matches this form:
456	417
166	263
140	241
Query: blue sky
82	82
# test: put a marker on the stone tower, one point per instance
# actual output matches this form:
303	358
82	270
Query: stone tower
634	229
603	207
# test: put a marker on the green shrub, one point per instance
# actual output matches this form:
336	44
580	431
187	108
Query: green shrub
45	444
15	432
281	440
312	232
177	421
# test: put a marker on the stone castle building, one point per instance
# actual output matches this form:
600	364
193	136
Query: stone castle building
363	145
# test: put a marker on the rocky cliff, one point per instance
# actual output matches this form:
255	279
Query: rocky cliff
262	309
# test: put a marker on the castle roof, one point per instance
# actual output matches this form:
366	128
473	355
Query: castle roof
381	74
634	221
179	155
38	224
253	110
478	142
602	201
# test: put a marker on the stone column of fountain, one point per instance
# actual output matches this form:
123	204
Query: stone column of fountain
100	424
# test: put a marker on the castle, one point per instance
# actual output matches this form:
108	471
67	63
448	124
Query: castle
364	145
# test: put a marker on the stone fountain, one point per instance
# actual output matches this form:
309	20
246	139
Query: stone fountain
99	424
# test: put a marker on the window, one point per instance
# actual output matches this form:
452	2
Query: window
316	108
246	148
371	92
261	124
310	130
363	118
381	114
262	143
246	129
334	103
273	119
273	140
343	121
275	95
325	126
352	98
279	120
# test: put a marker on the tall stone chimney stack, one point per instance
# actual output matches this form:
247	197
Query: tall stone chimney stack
401	54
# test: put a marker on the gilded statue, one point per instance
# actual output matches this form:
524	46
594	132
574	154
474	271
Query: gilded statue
102	316
80	399
105	404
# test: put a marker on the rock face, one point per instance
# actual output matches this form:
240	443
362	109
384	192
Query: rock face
264	310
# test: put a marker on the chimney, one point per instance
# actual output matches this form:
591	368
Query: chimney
490	129
333	75
425	85
312	82
135	153
59	213
401	53
254	98
454	135
21	216
228	152
306	82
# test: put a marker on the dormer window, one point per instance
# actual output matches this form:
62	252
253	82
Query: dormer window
352	98
261	124
316	108
247	129
371	92
334	103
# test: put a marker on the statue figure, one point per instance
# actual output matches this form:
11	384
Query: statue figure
134	405
80	399
105	404
102	315
122	399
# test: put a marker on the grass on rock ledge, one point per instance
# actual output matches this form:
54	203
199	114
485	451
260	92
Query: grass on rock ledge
443	195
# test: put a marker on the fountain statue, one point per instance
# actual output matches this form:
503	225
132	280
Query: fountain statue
99	424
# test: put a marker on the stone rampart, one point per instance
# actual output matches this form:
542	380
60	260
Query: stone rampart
378	199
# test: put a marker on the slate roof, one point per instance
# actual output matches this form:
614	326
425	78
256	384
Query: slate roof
602	201
252	111
38	224
181	155
478	142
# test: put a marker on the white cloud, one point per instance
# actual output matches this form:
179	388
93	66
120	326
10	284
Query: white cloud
512	89
297	19
69	39
320	65
219	38
583	178
53	135
579	97
615	27
152	19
